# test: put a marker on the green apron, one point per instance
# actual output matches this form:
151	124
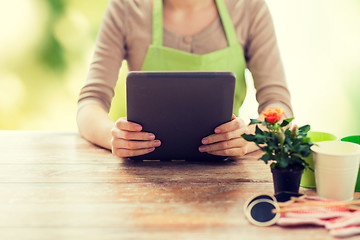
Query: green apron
160	58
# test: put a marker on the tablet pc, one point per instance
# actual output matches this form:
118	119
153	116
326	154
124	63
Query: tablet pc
180	108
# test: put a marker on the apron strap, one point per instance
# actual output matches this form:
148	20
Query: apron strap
157	23
227	23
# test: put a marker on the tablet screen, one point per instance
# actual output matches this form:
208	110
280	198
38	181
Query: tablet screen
180	108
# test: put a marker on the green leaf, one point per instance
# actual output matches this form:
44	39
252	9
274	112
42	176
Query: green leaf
286	122
306	140
266	157
283	164
249	137
258	131
304	129
260	139
254	121
273	165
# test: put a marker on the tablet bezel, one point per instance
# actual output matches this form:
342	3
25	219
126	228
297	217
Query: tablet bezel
180	108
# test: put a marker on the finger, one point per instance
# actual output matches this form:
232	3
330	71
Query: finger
128	135
123	124
120	152
232	152
233	143
134	145
230	126
218	137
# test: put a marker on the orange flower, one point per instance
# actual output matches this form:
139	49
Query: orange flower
272	115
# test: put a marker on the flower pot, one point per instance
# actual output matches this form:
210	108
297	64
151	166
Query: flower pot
286	180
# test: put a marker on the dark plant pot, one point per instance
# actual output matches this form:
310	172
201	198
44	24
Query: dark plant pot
286	180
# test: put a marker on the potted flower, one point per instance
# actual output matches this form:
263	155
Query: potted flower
284	147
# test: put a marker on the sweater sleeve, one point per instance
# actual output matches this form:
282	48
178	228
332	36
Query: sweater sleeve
264	61
108	56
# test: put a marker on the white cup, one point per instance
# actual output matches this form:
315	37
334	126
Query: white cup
336	169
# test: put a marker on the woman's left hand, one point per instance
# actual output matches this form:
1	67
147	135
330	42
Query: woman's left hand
227	140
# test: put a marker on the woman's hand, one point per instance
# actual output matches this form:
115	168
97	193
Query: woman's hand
128	140
227	140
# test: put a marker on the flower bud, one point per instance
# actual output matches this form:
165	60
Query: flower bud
295	131
281	137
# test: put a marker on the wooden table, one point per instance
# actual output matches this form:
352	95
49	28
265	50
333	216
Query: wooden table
56	185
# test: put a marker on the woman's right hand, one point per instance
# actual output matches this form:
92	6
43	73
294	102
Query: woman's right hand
128	140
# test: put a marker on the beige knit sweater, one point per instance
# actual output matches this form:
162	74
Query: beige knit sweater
125	33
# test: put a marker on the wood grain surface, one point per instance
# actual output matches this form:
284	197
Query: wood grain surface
56	185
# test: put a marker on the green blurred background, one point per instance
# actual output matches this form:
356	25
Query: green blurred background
46	47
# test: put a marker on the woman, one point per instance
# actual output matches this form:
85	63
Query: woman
160	35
